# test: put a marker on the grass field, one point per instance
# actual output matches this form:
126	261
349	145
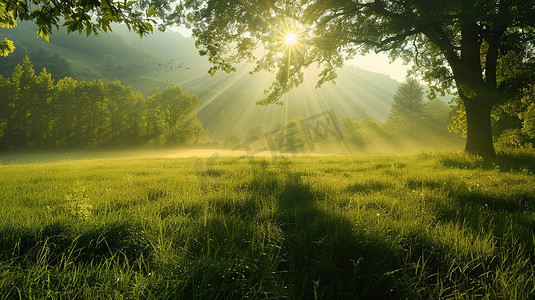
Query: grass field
414	226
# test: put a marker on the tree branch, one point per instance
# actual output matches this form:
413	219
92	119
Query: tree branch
339	13
492	57
383	45
439	38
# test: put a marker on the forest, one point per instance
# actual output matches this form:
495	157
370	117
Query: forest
37	112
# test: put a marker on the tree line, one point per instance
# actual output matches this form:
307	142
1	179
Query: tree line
38	112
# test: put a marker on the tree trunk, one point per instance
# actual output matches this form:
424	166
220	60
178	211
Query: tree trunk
479	132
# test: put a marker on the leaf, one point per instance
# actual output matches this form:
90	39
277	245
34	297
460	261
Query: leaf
110	17
42	33
152	11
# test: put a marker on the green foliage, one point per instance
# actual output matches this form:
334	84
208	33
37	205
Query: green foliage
514	138
40	113
179	112
419	226
366	132
6	21
78	16
408	105
353	131
293	137
528	115
6	47
458	120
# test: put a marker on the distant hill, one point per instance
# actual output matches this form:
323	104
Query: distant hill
228	102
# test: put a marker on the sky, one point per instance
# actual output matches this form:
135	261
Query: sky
380	63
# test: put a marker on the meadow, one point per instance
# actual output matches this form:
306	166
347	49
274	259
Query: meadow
411	226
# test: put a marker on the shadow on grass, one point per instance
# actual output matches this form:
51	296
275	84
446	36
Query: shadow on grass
504	161
280	243
96	242
496	200
496	213
323	255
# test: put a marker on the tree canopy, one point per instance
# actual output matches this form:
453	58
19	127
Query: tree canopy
454	44
76	15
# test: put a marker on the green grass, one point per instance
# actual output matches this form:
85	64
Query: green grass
419	226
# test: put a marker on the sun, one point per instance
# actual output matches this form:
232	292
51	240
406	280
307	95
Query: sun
291	39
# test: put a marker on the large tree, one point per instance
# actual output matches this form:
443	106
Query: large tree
453	43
